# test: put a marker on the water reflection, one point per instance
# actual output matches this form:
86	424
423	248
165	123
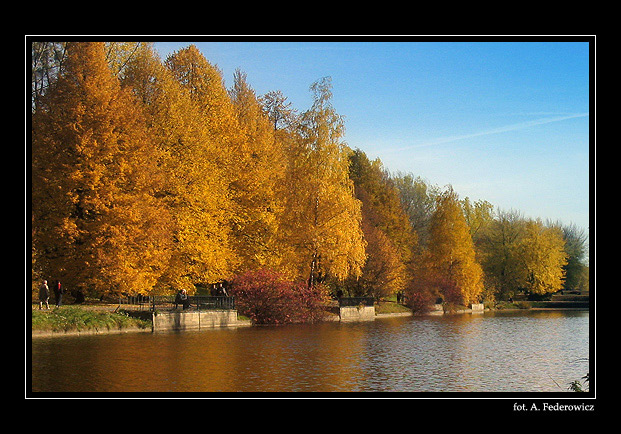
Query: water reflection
530	351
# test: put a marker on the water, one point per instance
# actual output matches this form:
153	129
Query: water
535	351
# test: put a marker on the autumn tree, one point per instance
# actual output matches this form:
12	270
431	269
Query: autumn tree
543	257
450	262
500	255
196	188
322	228
384	272
97	218
387	229
521	255
259	170
278	109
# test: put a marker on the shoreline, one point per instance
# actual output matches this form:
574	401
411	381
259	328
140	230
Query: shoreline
247	323
93	331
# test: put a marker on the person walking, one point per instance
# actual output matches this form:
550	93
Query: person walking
44	295
58	292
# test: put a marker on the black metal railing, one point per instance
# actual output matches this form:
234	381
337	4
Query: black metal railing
170	302
135	302
356	301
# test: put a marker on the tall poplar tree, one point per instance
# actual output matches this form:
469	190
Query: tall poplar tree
96	217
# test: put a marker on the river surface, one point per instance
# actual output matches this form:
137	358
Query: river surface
526	351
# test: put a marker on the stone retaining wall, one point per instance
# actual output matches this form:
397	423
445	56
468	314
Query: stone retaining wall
357	313
477	308
195	320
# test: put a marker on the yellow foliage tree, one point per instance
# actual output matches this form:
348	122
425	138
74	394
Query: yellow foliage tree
384	272
322	230
450	259
196	188
97	220
220	139
259	170
542	251
387	229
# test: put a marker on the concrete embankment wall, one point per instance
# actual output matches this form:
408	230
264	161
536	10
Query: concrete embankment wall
438	309
196	320
357	313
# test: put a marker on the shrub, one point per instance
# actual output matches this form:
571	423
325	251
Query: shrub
419	302
310	305
267	297
420	295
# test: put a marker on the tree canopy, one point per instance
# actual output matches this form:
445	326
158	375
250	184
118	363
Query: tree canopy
149	175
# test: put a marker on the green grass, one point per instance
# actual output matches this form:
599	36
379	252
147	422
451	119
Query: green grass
513	305
390	307
73	318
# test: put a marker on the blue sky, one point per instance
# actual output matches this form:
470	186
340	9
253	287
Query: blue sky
506	122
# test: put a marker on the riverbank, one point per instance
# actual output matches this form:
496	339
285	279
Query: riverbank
86	319
106	318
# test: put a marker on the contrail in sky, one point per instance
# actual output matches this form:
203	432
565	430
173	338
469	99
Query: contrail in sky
513	127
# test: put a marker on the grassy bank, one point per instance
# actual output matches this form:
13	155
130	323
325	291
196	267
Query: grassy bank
76	318
385	307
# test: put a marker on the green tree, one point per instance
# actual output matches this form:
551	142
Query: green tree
479	215
418	199
500	254
576	248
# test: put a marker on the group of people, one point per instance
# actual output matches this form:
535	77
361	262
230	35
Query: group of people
219	290
44	294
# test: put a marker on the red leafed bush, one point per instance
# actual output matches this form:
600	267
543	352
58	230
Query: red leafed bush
419	296
267	297
418	301
311	302
423	292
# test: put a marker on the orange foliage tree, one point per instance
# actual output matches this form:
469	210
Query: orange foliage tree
96	216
